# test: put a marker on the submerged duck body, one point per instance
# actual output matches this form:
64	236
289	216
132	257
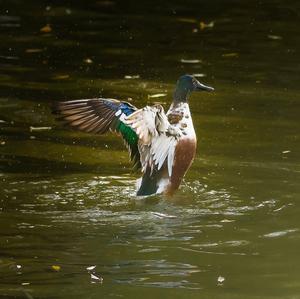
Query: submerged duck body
162	145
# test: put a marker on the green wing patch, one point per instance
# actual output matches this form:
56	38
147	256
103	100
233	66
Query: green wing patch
131	140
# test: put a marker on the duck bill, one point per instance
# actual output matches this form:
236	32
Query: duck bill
202	87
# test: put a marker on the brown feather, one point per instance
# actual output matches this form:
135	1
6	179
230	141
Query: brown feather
81	120
76	116
94	128
104	126
85	124
75	111
184	155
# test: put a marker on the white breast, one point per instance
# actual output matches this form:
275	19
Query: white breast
186	123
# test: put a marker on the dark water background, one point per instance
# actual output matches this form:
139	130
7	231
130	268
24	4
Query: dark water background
67	198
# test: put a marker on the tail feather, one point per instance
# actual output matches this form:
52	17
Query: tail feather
148	184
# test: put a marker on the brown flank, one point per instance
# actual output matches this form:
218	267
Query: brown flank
184	155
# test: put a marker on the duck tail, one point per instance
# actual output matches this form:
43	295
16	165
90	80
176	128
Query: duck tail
148	183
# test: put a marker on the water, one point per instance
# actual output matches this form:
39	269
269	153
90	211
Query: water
68	199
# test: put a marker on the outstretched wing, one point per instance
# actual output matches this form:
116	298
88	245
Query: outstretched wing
157	137
99	116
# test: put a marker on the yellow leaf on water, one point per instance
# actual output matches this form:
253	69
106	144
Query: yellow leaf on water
187	20
25	283
157	95
55	268
31	128
199	75
274	37
46	29
33	50
230	55
88	60
61	77
203	25
191	61
131	76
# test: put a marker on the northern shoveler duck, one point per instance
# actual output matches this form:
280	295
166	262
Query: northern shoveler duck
162	145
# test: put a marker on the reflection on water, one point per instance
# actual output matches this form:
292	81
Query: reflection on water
68	208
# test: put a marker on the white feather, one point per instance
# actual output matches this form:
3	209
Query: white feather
171	157
157	137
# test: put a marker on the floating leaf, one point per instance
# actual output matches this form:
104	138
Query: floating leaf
34	50
96	279
191	61
46	29
39	128
286	152
61	77
274	37
187	20
2	142
88	60
203	25
199	75
25	283
230	55
157	95
131	76
221	279
55	268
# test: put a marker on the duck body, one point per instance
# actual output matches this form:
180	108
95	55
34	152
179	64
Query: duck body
160	180
185	150
161	145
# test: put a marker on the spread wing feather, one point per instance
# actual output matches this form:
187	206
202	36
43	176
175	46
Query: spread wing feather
99	116
157	137
149	136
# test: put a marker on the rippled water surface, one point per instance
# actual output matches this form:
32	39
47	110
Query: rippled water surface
70	223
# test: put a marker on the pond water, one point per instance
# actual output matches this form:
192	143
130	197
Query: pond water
67	200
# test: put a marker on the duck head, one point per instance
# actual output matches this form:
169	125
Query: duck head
185	85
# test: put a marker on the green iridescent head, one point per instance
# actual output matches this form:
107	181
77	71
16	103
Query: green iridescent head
185	85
